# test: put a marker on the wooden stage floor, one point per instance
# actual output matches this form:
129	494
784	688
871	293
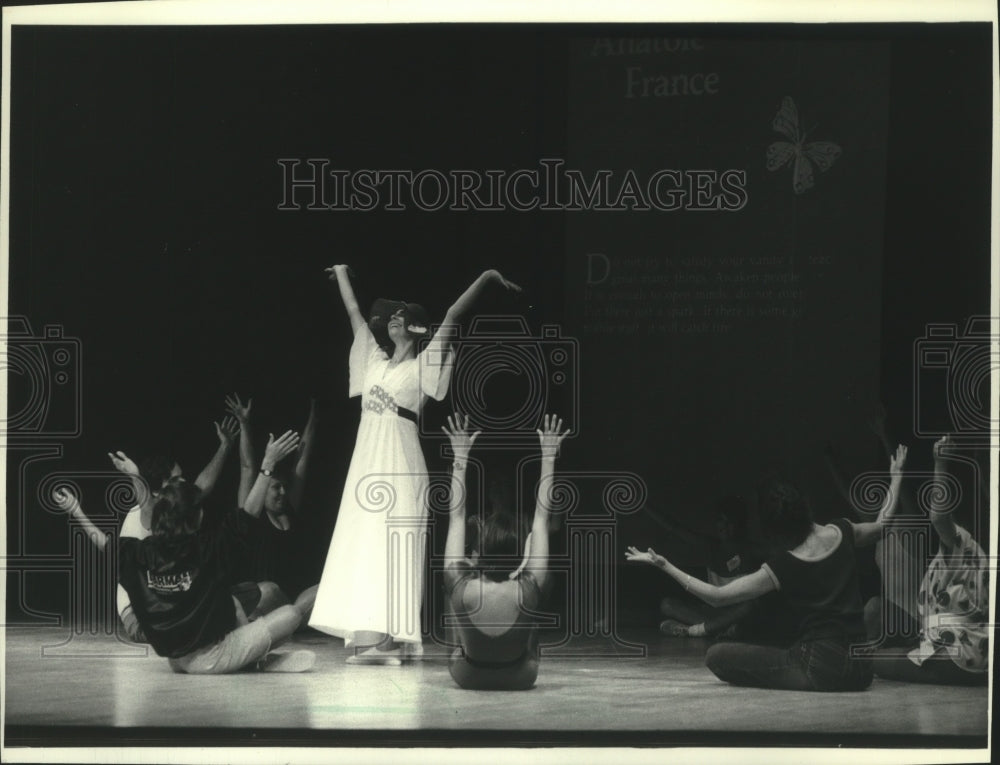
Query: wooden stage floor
95	691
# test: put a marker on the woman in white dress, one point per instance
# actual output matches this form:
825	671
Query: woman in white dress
372	581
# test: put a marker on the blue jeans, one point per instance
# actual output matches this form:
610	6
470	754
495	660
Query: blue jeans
810	665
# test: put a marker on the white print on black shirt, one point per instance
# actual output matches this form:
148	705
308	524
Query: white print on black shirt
733	563
169	582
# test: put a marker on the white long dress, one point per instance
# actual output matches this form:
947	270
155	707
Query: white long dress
373	577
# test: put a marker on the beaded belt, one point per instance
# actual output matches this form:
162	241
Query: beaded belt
379	401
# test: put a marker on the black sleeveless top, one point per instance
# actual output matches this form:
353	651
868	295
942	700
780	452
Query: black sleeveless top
520	636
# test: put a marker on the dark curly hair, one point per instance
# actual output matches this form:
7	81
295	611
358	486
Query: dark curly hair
155	470
785	517
499	540
177	512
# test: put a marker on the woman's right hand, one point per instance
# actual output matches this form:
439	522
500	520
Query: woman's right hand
334	273
650	556
549	436
277	449
238	409
896	463
940	447
461	439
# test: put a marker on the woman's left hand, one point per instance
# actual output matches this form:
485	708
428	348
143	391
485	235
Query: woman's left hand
650	556
505	283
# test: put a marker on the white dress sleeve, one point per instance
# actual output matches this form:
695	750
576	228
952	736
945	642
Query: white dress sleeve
363	350
435	365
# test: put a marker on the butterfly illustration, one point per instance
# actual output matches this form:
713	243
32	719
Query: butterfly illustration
803	155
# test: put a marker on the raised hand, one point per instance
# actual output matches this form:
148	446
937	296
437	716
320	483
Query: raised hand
549	435
227	431
238	409
941	447
496	276
65	500
335	273
896	463
279	448
650	556
461	439
123	464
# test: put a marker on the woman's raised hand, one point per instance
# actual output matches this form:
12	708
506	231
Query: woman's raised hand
65	500
227	431
461	439
279	448
238	409
549	435
496	276
122	463
941	446
896	463
336	272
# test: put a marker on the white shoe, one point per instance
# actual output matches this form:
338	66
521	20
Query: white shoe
374	656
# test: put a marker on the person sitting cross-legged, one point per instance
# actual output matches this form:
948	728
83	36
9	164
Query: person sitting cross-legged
178	580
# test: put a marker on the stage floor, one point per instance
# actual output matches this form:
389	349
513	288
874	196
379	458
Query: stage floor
98	691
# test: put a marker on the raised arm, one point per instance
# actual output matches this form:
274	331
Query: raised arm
143	492
305	450
942	521
467	298
341	274
227	434
67	502
740	590
461	445
241	412
871	532
275	451
549	437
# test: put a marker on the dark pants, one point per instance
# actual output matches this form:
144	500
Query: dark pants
813	665
480	676
938	669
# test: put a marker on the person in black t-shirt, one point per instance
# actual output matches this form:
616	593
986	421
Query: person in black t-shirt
179	582
815	573
276	554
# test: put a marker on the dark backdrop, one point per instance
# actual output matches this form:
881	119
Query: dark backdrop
144	222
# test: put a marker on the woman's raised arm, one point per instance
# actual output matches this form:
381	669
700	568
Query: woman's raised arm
549	437
467	298
341	275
